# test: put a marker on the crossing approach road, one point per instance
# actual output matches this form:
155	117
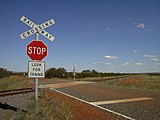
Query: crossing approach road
129	103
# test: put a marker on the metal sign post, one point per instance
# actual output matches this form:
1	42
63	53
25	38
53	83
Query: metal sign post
36	82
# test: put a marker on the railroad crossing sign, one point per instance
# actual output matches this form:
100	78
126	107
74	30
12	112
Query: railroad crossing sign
37	28
37	50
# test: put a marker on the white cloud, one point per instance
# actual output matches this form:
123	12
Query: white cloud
149	56
154	59
136	50
139	64
100	62
125	64
94	63
111	57
139	25
108	63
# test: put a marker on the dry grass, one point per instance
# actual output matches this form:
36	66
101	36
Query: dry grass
14	82
49	108
145	82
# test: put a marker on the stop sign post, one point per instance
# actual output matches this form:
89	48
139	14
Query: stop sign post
37	50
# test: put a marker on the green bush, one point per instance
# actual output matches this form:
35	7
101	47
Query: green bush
53	72
4	73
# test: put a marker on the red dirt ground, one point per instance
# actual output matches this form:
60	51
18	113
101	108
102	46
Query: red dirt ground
134	80
83	111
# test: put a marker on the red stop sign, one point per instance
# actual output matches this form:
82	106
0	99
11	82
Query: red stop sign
37	50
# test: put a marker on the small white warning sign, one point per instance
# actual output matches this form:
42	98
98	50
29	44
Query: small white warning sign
36	69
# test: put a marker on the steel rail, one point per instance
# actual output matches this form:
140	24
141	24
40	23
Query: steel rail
16	91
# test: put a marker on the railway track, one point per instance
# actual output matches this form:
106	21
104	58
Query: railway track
15	92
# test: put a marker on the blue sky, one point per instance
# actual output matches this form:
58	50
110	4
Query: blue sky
105	35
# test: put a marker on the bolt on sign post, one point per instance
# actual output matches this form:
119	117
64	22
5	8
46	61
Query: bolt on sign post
36	50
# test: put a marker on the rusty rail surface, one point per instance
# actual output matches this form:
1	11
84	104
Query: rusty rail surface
16	91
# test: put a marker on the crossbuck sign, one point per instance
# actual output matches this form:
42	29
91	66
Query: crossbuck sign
37	28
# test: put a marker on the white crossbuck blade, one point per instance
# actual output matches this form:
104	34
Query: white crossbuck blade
37	28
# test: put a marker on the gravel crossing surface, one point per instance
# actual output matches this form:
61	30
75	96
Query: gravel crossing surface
11	105
140	110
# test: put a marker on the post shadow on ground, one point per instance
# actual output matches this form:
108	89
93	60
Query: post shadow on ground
6	106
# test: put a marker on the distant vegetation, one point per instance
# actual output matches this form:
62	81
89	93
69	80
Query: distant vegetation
4	73
62	73
59	73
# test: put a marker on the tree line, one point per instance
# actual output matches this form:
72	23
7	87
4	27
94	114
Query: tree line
62	73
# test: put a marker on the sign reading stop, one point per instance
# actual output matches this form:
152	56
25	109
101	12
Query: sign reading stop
37	50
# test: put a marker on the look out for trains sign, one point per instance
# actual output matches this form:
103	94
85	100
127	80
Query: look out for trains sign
36	69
